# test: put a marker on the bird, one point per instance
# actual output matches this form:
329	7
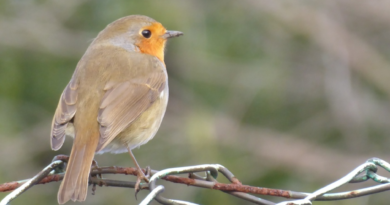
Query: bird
115	100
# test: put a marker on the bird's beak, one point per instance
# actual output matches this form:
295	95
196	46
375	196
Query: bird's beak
171	34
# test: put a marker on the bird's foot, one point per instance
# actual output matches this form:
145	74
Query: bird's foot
94	176
141	176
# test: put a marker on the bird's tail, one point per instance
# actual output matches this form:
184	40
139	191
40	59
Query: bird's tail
74	186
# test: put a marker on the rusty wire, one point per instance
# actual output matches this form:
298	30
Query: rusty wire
28	184
362	173
370	167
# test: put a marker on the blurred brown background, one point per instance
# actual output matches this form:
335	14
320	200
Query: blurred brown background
286	94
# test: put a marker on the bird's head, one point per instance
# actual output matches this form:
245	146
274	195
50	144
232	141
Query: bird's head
137	33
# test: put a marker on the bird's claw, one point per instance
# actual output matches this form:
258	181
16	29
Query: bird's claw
141	176
95	166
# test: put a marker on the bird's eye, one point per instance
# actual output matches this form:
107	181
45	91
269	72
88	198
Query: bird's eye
146	33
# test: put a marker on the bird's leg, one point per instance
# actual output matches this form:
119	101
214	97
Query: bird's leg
94	166
140	174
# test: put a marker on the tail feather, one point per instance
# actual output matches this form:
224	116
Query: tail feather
75	183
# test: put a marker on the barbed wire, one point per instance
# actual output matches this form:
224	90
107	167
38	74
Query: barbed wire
54	172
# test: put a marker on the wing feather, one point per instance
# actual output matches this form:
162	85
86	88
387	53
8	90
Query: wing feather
124	102
65	112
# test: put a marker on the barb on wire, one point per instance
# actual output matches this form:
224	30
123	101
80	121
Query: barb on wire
211	170
370	167
362	173
31	182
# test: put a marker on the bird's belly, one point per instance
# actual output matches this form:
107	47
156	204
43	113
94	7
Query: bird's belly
140	130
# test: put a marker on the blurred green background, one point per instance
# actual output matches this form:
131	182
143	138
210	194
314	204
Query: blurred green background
286	94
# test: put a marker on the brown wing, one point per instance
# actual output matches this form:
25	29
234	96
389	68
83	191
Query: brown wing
124	102
65	112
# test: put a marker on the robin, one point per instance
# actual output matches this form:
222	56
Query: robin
115	100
